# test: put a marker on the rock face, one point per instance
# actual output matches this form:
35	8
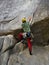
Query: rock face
16	9
5	56
40	57
8	41
42	10
15	57
11	12
1	43
41	31
39	9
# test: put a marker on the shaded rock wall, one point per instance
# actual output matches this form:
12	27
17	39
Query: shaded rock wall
40	30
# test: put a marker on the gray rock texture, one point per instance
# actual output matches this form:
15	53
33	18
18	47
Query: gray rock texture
11	13
40	57
1	43
8	42
15	10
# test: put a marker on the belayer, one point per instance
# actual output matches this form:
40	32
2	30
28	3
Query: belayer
26	33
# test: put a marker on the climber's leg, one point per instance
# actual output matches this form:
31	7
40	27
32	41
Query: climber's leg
20	36
29	46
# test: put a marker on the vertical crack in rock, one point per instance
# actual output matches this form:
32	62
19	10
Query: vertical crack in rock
1	47
1	43
4	58
8	58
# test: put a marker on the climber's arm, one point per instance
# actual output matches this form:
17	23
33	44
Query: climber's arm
30	20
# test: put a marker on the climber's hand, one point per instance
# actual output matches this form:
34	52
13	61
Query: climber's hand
30	18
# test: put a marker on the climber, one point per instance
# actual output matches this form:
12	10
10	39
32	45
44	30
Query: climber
22	36
27	33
